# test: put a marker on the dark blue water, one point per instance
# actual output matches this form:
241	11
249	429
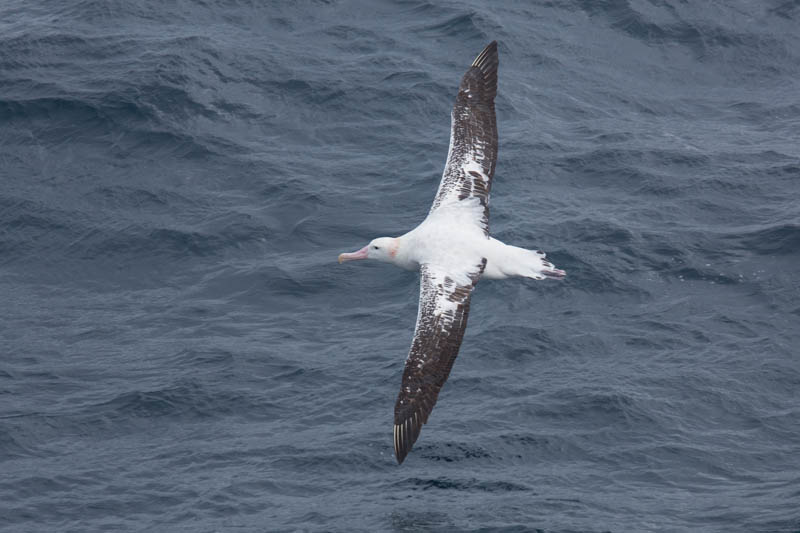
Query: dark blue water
181	351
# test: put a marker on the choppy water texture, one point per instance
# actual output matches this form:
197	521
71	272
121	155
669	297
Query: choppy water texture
181	352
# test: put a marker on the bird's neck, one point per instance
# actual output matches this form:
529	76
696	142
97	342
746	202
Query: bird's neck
401	253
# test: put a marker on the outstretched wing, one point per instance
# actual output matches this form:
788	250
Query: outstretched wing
473	139
441	321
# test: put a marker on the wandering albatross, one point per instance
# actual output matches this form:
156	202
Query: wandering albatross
452	249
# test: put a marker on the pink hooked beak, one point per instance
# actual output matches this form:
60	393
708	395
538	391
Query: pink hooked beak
361	254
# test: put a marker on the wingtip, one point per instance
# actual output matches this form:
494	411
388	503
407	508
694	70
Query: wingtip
405	435
487	63
400	450
488	54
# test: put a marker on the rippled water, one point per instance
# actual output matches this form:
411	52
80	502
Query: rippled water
181	352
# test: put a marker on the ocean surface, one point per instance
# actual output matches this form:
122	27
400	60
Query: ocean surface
181	352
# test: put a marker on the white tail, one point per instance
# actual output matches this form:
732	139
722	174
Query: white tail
505	261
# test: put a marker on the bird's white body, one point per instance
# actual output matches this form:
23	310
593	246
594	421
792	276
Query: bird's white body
449	238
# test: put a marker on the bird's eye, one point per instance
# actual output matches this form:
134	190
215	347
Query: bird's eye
375	248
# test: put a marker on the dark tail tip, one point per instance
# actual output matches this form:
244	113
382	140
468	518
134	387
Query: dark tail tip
555	273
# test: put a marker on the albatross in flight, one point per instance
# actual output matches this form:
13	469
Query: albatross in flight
452	249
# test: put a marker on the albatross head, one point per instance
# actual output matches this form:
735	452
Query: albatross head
382	249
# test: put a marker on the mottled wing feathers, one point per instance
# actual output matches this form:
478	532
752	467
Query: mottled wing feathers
441	321
473	139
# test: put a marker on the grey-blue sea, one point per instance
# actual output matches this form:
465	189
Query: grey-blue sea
181	351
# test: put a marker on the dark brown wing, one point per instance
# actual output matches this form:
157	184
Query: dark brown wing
473	139
441	321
